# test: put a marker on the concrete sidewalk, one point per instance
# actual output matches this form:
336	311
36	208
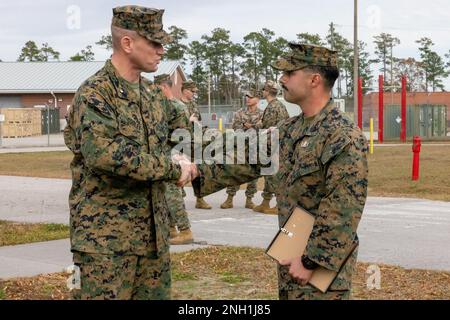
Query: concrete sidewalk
33	149
56	140
412	233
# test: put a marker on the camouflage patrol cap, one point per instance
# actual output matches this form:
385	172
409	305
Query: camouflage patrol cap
189	85
147	22
253	93
271	86
303	55
161	78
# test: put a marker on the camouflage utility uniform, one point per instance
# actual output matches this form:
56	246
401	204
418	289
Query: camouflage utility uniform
322	168
241	117
174	195
193	110
118	133
274	113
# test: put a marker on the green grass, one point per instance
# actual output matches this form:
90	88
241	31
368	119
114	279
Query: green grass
12	233
182	276
37	164
389	170
231	278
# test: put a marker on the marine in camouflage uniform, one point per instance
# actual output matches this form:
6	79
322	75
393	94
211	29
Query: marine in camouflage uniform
189	90
191	105
274	113
254	118
323	168
118	132
174	194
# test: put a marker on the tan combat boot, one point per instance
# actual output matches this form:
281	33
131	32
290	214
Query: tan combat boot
273	210
249	203
263	206
173	232
201	204
228	204
184	237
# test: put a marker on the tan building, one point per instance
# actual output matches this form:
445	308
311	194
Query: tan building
370	103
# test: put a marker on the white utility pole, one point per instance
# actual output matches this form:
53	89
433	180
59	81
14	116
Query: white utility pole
355	61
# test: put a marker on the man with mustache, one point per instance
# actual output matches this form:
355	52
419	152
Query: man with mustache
322	168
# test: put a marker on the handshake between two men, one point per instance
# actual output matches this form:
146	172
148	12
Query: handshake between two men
252	149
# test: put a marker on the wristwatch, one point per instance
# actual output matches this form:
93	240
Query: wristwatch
308	263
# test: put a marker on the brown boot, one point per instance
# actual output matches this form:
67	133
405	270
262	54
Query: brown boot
201	204
184	237
249	203
173	232
273	210
228	204
263	206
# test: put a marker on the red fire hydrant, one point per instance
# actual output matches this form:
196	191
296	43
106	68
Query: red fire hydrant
416	150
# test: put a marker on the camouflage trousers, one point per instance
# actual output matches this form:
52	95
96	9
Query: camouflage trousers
288	289
250	192
268	191
178	215
111	277
313	294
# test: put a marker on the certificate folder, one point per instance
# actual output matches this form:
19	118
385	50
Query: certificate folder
291	241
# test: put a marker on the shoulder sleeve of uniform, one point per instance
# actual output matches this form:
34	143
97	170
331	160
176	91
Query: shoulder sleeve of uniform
285	125
340	139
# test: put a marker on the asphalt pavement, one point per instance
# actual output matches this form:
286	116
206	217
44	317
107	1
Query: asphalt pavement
412	233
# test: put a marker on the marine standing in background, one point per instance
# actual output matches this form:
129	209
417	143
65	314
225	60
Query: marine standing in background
174	195
245	119
274	113
188	91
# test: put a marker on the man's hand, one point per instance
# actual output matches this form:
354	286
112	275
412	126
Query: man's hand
186	173
268	130
297	271
193	118
189	170
248	125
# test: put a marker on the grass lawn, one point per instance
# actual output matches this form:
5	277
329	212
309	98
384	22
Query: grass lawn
36	164
244	273
12	233
389	170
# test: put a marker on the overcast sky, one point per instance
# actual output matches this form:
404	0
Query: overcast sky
57	23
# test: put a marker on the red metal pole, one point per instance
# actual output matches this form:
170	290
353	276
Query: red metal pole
416	150
380	108
360	103
403	130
